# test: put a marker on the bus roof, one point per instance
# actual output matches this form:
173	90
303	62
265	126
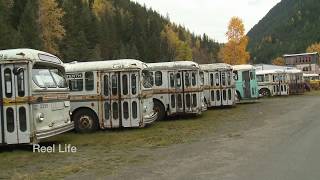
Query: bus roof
215	66
311	75
269	71
243	67
114	65
173	65
28	54
293	71
263	68
301	54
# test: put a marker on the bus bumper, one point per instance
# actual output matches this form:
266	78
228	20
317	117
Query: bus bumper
52	132
150	119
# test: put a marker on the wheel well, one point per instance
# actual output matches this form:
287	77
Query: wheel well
266	89
87	109
157	100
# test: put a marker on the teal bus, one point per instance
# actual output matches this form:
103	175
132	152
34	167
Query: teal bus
246	83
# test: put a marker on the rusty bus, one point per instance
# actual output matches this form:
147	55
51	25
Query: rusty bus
176	88
110	94
34	97
218	84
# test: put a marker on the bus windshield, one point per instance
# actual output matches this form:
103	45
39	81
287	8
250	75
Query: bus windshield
48	77
147	79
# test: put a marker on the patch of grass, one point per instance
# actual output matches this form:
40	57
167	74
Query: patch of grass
106	152
103	151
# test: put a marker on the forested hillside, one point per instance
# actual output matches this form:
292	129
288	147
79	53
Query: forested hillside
99	29
290	27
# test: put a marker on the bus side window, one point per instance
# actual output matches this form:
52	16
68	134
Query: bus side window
235	75
217	79
266	78
21	90
133	84
76	84
106	85
187	79
211	79
124	84
201	74
193	79
151	79
8	82
251	75
158	78
178	80
223	78
114	85
89	78
229	78
171	80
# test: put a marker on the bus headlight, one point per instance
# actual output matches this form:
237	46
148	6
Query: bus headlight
40	117
145	108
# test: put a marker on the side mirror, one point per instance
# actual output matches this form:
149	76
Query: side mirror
18	70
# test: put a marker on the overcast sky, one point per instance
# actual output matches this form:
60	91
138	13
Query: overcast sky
211	16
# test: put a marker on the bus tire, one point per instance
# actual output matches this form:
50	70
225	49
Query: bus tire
85	121
265	92
159	109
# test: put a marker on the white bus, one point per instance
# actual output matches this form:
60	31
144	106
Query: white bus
272	82
176	88
34	96
218	84
110	94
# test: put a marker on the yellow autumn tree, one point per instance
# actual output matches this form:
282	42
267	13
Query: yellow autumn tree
278	61
101	7
314	48
178	49
234	51
51	29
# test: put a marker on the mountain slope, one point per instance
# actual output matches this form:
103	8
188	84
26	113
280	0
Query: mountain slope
289	27
102	29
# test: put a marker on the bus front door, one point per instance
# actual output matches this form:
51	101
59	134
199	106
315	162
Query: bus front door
15	126
246	84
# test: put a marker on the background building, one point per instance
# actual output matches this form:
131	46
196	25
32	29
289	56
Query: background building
307	62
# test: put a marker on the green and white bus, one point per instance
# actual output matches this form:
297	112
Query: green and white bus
246	83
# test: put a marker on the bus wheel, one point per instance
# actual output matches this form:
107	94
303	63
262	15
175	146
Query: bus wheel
265	92
159	109
85	121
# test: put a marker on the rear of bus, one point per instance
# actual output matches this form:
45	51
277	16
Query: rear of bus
246	83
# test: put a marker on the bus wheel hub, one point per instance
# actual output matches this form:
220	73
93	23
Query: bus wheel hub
85	122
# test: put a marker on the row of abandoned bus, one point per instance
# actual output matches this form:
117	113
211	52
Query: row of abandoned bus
41	97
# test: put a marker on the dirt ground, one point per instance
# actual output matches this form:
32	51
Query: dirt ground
215	145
